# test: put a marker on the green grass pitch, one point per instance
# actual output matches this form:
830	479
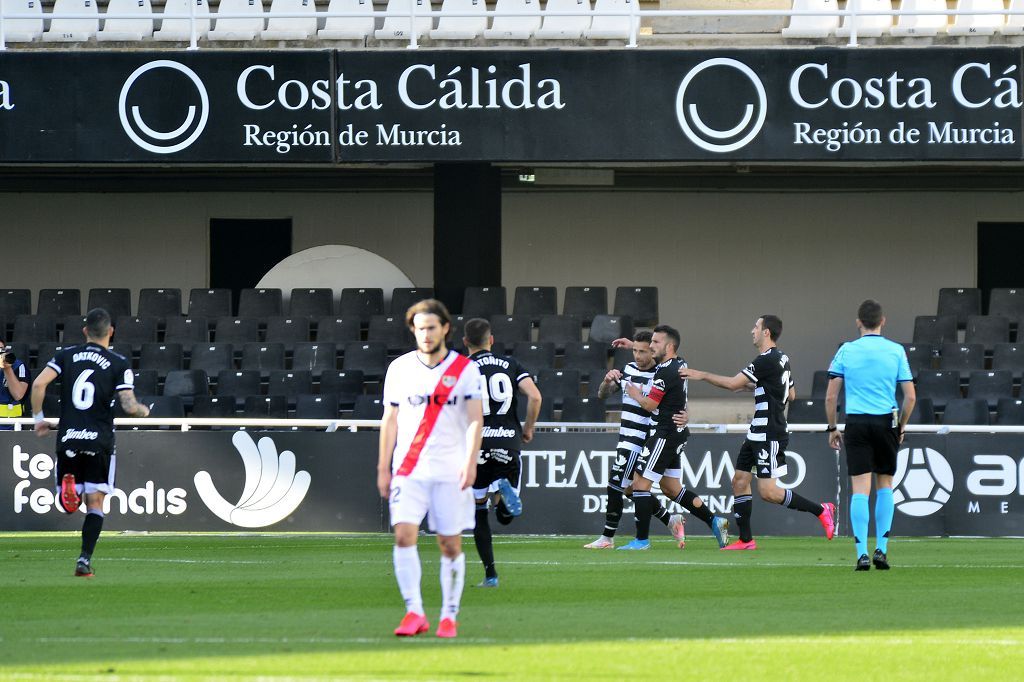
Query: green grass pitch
323	607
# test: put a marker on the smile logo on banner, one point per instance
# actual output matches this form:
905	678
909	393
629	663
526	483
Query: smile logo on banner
161	85
272	490
923	481
730	92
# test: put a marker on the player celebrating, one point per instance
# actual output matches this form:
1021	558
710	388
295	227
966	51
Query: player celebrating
91	374
498	469
764	450
664	449
429	441
634	428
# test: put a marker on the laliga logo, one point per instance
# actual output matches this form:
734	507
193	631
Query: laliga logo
712	139
156	141
272	491
922	483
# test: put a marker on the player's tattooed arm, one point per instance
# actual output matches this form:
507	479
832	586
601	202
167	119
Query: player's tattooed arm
131	406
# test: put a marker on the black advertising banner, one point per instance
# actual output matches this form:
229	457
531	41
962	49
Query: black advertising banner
294	106
959	484
165	107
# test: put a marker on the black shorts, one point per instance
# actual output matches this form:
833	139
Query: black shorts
627	463
765	459
871	443
93	470
664	455
495	465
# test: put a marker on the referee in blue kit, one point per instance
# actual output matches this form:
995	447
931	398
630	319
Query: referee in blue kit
869	368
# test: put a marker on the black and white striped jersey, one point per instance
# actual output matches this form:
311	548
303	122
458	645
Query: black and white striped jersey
772	377
635	423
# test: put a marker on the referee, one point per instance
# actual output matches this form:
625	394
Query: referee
869	368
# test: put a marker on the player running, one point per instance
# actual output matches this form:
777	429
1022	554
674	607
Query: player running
499	467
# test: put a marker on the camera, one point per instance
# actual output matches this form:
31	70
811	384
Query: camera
9	356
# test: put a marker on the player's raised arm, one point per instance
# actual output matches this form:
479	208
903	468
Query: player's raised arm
38	393
533	402
386	449
740	382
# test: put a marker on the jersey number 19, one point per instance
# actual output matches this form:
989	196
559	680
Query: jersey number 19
498	389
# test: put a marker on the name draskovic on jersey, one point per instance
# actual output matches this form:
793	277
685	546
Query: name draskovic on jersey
91	356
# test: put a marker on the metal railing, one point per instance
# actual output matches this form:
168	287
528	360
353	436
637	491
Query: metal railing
333	425
633	14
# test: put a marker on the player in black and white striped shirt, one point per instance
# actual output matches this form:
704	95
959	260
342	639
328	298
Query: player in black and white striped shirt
764	450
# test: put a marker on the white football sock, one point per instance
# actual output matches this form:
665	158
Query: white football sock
453	578
407	572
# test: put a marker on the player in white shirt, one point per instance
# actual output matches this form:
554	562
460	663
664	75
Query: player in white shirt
429	441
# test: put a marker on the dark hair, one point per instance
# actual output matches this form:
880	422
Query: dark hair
773	324
642	337
870	314
428	306
477	332
671	333
97	323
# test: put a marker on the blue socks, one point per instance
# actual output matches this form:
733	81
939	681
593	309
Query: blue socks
859	516
883	517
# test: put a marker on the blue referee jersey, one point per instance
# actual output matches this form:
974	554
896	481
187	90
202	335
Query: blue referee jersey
870	368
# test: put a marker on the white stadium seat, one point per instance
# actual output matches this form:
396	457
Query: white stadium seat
461	27
179	29
612	27
72	30
398	28
514	27
564	27
348	28
24	30
1014	23
808	26
238	29
295	28
921	24
868	25
127	29
978	24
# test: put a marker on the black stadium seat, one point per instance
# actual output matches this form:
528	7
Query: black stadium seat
316	406
161	303
289	384
186	330
484	302
803	411
819	383
924	411
940	386
585	303
586	357
960	302
1010	412
583	410
344	384
640	303
187	383
920	356
935	330
59	302
337	330
966	411
1009	356
991	386
361	304
392	332
368	407
116	302
261	303
987	330
236	330
510	329
535	302
558	385
369	357
535	357
560	330
214	406
315	357
167	407
311	303
287	330
547	410
245	383
607	328
402	298
146	382
209	303
35	329
264	357
964	358
161	357
134	331
212	358
265	407
14	302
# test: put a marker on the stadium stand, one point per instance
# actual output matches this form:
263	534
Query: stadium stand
117	302
585	303
812	26
240	28
392	332
290	384
963	358
186	384
613	27
921	356
1009	412
867	25
14	302
212	357
170	407
940	386
466	27
361	304
291	28
265	407
959	302
146	382
34	329
558	385
991	386
607	328
510	329
535	357
569	24
977	24
400	27
966	411
186	330
315	358
135	331
587	358
233	383
583	410
127	30
819	384
162	357
987	330
337	330
369	357
924	411
547	410
559	330
261	303
639	303
24	30
287	330
1009	356
316	406
159	303
368	407
807	411
263	357
1014	22
402	298
535	302
484	302
311	303
63	29
935	330
344	384
209	303
214	406
237	330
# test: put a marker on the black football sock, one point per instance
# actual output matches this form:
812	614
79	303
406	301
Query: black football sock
643	507
794	501
91	528
482	538
502	514
742	507
613	513
660	512
686	499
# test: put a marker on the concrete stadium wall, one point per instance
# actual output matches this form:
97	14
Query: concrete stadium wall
720	258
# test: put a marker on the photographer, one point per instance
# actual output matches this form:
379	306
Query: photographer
13	384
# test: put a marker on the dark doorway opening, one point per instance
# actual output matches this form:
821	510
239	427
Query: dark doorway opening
1000	246
243	250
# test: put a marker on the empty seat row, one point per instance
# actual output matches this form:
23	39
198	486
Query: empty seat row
988	22
243	20
640	304
985	329
958	411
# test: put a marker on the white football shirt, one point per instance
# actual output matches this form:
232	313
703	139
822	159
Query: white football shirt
409	385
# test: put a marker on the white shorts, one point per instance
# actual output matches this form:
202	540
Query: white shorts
448	509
